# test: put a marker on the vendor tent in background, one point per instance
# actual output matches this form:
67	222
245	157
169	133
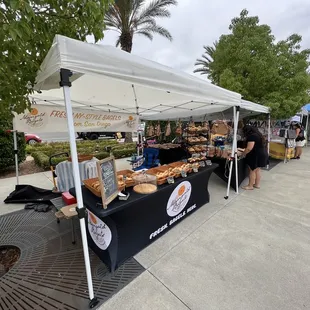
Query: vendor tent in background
303	118
107	79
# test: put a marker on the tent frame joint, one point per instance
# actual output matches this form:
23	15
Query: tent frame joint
81	212
65	75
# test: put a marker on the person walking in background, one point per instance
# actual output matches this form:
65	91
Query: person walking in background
300	140
255	154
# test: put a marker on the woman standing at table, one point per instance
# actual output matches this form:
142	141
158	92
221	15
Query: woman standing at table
300	140
255	154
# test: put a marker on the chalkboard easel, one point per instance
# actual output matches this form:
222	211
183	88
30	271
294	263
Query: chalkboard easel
108	180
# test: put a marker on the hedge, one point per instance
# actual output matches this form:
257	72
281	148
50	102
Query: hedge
83	147
41	152
7	158
41	160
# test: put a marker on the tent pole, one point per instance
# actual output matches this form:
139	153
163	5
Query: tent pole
81	210
306	129
16	156
268	138
231	158
236	153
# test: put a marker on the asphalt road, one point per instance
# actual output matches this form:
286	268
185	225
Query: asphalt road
54	137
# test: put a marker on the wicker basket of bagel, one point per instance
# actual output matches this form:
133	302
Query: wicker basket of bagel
94	185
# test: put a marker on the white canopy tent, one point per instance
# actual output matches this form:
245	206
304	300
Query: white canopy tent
109	79
212	112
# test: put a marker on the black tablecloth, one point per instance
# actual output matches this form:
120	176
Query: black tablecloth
140	220
222	171
172	155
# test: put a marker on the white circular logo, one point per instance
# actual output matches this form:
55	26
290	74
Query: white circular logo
99	231
179	198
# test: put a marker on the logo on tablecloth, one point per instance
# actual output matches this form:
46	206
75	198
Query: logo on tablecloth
99	231
179	198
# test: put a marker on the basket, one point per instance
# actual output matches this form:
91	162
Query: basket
82	158
126	173
166	167
179	164
154	171
176	164
88	184
220	127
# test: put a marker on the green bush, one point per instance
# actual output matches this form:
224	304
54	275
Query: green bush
124	146
121	153
7	158
41	160
83	147
98	148
102	155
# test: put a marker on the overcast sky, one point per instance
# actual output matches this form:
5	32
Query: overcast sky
195	23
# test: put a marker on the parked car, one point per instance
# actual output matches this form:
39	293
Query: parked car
96	135
32	139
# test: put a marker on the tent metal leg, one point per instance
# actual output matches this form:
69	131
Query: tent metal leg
306	129
65	83
268	137
16	156
236	154
233	154
229	178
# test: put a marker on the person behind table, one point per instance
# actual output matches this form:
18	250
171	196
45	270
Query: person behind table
256	156
300	140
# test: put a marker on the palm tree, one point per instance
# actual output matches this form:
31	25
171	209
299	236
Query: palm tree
204	64
130	17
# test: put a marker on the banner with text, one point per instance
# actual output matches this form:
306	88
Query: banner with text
43	118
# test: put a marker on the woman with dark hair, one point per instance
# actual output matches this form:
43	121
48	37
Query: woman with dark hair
300	140
255	154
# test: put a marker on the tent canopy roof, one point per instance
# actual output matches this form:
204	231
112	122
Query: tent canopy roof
106	78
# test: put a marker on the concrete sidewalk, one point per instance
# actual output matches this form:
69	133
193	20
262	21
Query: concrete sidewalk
250	252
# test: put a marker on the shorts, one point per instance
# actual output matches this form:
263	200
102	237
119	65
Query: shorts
300	143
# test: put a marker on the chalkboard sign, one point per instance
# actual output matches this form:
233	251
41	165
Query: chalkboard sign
108	180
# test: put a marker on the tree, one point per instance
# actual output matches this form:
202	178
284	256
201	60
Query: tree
130	17
27	29
251	62
206	60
